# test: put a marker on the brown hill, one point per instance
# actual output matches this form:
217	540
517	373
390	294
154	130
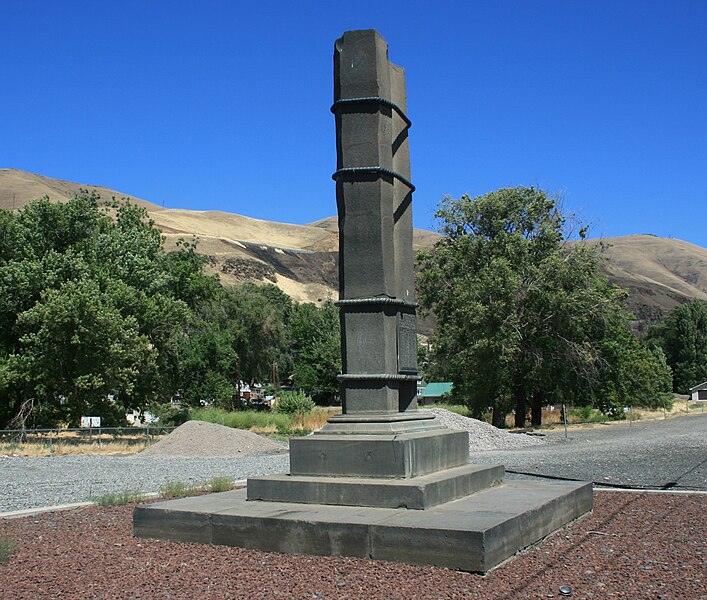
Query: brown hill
17	188
659	273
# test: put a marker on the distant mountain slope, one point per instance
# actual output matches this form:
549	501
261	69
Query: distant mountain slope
660	273
17	188
302	260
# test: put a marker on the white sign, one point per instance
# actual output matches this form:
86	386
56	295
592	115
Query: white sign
90	421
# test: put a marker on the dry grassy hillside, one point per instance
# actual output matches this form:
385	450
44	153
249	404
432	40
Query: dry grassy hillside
302	259
17	188
660	273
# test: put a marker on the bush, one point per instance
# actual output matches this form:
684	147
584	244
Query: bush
241	419
219	484
585	414
119	498
292	403
169	414
7	548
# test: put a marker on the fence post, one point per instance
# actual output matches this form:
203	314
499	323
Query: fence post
564	418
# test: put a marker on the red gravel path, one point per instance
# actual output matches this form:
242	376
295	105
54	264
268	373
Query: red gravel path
631	546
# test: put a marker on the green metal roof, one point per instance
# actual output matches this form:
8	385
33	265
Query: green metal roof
436	389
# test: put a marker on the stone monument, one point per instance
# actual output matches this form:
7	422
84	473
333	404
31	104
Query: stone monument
383	479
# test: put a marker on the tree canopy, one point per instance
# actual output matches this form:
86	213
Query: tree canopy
316	350
91	309
683	339
96	318
523	317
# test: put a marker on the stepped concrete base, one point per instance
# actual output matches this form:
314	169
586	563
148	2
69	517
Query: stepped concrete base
414	493
384	456
471	534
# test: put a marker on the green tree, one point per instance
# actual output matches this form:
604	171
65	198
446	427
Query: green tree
683	338
316	349
521	314
91	310
238	335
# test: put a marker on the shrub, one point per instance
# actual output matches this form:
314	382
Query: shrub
219	484
7	548
241	419
585	414
119	498
169	414
291	403
177	489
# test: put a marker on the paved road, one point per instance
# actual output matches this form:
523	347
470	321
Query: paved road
668	454
662	454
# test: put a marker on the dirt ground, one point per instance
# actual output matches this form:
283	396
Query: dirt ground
633	545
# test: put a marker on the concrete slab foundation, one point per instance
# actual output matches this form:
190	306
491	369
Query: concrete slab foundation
474	533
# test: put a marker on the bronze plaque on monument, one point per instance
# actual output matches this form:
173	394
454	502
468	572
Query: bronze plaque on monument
407	343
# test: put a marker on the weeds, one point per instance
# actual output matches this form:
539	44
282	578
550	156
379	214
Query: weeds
7	548
241	419
178	489
119	498
264	422
219	484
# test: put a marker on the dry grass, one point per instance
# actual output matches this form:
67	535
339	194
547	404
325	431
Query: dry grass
553	418
71	443
310	422
314	420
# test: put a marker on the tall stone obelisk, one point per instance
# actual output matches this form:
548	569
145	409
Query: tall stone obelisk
382	480
374	200
380	432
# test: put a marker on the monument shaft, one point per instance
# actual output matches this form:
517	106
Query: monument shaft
374	201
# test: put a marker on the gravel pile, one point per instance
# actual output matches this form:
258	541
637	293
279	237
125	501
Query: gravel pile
483	436
199	439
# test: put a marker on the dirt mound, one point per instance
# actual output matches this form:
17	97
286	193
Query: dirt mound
199	439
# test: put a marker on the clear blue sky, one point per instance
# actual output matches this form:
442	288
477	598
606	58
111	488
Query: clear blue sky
225	105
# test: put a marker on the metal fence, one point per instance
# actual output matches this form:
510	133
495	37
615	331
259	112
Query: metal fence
100	436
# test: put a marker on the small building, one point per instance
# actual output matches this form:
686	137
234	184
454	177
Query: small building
699	392
434	391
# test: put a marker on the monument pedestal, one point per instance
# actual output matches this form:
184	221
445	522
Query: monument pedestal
385	456
410	497
474	533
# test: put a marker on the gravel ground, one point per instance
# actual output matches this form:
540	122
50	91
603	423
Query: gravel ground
632	546
668	454
48	481
654	454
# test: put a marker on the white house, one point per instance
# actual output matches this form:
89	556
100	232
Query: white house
699	392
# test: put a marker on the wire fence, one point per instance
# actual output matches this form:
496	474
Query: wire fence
58	438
